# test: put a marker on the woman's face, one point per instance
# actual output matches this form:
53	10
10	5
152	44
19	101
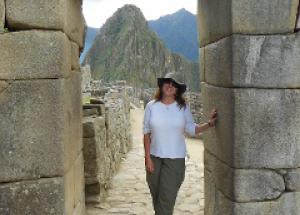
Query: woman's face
169	88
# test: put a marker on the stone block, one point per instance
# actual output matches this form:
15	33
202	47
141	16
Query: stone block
75	56
253	61
34	54
80	207
79	183
298	19
69	190
202	64
38	150
292	180
213	20
94	158
244	185
74	117
90	112
288	203
64	15
93	126
2	16
219	18
43	196
256	128
74	185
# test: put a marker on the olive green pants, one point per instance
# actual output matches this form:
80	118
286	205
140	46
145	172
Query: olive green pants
164	183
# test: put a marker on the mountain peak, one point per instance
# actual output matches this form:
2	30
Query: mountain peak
183	10
129	10
179	32
127	49
125	18
129	7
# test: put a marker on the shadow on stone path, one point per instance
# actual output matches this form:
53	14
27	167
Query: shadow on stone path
130	194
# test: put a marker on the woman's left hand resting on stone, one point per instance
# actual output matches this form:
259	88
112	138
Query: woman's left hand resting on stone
211	122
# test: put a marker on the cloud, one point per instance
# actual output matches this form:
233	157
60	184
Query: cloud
97	11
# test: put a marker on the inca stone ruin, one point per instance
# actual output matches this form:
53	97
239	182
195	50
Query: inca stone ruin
250	71
63	136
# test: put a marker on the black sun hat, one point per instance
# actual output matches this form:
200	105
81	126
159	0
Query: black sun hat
175	78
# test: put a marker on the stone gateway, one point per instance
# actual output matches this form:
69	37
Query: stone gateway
250	72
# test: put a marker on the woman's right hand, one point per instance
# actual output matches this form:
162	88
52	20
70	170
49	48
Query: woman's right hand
149	164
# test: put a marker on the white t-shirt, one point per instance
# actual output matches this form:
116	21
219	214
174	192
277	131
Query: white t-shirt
167	125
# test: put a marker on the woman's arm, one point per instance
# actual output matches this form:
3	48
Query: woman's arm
147	139
211	123
147	142
148	161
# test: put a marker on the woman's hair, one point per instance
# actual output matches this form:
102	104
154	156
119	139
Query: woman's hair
178	97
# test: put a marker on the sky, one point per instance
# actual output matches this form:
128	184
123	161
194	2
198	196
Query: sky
97	11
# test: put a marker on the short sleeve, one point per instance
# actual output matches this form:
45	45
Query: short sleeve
146	121
190	124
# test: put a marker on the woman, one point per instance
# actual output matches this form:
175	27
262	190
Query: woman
166	119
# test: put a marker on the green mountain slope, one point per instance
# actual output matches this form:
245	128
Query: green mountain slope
179	32
127	49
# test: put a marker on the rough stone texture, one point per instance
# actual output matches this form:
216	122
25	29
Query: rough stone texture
95	150
249	184
86	78
75	56
34	54
202	64
219	18
93	126
248	132
51	143
298	19
214	20
37	150
41	160
79	185
195	103
3	85
249	54
254	61
106	139
288	203
62	15
2	16
58	195
73	114
43	196
292	180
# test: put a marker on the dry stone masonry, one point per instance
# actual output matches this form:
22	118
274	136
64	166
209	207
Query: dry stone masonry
250	71
106	139
195	103
41	159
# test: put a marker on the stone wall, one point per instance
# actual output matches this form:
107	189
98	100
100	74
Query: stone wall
86	81
41	161
250	70
195	103
106	139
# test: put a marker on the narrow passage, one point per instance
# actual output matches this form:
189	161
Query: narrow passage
130	194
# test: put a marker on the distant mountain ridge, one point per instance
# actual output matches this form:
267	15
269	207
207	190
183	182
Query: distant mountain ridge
126	48
179	33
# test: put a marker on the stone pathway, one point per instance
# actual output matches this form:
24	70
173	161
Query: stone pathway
130	193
